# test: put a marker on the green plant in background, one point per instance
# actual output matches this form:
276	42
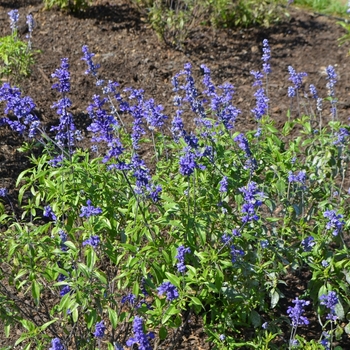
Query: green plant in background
174	20
72	5
329	7
16	56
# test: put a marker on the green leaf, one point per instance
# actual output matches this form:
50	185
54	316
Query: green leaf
91	319
196	301
173	279
47	324
7	329
255	319
91	258
339	310
163	333
36	292
347	328
113	317
275	297
75	315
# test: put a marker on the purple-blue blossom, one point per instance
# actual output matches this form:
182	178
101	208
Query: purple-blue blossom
236	253
92	68
140	338
129	298
100	329
48	213
65	131
223	185
21	107
3	192
330	301
168	289
187	162
253	198
299	178
332	80
181	251
296	78
307	243
89	210
341	137
177	126
266	57
14	16
63	238
325	341
296	313
93	241
335	222
56	344
261	104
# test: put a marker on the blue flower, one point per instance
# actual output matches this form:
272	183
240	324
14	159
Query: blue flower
332	80
223	185
296	78
129	298
48	212
14	16
100	329
335	222
253	198
65	290
266	57
330	300
168	289
92	68
3	192
295	313
181	251
56	344
261	104
236	253
188	162
308	243
140	338
94	241
89	210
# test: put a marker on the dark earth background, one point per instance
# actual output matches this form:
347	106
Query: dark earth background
130	53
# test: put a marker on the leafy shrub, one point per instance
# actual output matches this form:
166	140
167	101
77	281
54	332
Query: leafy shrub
173	20
112	249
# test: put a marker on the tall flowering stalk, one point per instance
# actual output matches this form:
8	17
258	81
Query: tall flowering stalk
297	80
14	16
330	301
140	338
332	80
297	319
30	23
65	131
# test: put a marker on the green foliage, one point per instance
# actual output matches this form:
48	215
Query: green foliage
15	58
329	7
237	269
72	5
173	20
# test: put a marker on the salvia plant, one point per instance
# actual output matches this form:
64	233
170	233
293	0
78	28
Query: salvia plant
16	56
111	250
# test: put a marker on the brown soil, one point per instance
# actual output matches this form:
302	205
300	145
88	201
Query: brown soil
130	53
